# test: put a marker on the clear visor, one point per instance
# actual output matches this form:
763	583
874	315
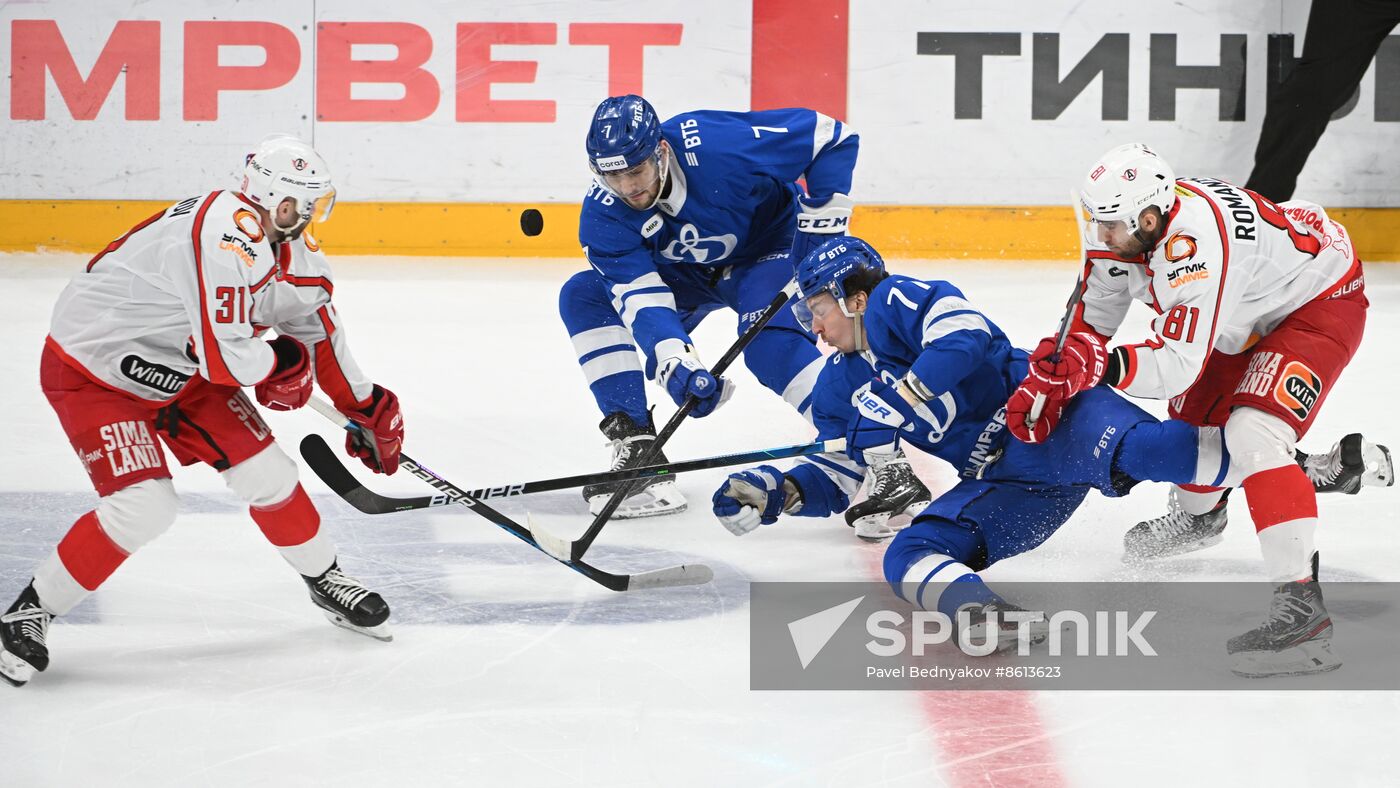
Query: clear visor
816	307
643	177
1097	228
320	208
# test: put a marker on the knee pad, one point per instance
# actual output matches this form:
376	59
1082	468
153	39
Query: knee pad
133	516
1257	441
265	479
584	301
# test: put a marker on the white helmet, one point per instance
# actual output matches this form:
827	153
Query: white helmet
1126	180
284	166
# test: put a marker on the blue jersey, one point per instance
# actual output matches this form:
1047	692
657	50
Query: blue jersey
927	330
731	200
927	334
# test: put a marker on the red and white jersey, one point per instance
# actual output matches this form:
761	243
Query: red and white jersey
190	291
1229	268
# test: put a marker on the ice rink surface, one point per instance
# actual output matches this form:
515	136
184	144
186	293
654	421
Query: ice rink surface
202	662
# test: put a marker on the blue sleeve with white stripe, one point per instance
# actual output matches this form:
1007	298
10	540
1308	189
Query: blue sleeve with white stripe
942	336
645	302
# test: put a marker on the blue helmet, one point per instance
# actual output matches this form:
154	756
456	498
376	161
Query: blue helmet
826	268
624	133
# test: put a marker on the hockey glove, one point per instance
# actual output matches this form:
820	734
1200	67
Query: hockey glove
750	498
1082	364
816	222
683	375
379	439
288	387
1022	401
873	434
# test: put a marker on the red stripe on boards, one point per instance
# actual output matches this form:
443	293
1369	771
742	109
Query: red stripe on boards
800	55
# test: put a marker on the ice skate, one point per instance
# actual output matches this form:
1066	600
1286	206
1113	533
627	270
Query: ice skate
347	603
980	618
650	497
23	629
1295	639
1352	463
896	496
1175	532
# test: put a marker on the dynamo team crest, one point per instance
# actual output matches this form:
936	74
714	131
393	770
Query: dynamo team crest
692	247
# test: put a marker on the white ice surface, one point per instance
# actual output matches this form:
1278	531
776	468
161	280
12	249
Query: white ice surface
201	662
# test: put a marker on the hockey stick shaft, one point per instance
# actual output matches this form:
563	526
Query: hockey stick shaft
1038	406
371	502
581	545
328	467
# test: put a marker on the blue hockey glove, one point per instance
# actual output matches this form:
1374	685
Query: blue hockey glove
817	222
683	375
881	413
750	498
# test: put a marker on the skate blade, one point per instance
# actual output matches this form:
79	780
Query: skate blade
654	501
1009	639
379	632
878	526
1131	557
15	670
1314	656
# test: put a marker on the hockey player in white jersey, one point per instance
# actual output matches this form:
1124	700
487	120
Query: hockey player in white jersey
1259	309
155	339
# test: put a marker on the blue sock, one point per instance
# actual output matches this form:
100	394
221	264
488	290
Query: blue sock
1162	452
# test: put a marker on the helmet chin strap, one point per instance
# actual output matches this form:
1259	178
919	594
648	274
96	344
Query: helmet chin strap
663	172
858	332
290	233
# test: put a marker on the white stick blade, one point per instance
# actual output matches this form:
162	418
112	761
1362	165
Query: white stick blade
559	549
684	575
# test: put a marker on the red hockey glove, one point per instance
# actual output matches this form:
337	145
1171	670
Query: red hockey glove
380	438
289	385
1082	364
1018	411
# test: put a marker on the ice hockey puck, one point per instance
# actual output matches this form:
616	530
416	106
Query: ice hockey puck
531	222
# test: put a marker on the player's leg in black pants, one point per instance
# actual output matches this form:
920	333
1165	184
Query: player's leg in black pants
1341	39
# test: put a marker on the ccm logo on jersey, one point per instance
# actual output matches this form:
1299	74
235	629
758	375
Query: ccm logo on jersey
157	376
1298	390
1179	246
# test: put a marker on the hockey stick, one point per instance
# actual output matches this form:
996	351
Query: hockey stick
565	550
1038	406
371	502
327	466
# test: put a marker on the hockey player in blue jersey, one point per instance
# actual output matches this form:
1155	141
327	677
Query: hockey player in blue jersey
920	364
686	216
